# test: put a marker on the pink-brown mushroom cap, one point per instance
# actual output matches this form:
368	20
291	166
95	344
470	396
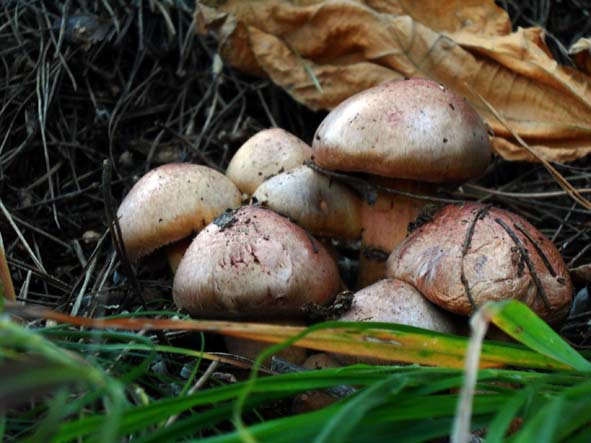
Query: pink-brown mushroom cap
265	154
394	301
314	201
494	269
171	202
259	265
412	129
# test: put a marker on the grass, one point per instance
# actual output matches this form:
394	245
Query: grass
63	383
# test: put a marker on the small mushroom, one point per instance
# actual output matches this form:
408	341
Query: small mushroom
313	201
473	253
409	134
265	154
254	264
394	301
170	203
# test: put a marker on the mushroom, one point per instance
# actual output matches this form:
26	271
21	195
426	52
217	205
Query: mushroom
314	201
254	264
410	134
265	154
394	301
469	254
170	203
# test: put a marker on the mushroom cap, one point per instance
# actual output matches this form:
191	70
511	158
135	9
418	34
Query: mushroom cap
265	154
394	301
413	129
255	265
171	202
432	260
314	201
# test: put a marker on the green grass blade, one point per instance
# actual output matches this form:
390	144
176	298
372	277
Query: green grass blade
559	416
348	417
517	320
505	416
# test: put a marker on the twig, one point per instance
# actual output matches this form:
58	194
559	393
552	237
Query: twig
522	229
524	195
115	230
369	191
22	238
562	182
7	287
532	270
465	247
198	384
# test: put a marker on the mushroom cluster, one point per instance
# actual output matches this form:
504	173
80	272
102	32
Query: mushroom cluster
263	261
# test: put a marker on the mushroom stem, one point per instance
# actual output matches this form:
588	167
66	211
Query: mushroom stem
385	225
176	251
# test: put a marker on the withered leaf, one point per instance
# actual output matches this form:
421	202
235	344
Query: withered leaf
347	46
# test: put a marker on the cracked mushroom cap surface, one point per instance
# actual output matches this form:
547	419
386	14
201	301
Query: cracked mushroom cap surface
172	202
314	201
265	154
412	129
483	253
254	264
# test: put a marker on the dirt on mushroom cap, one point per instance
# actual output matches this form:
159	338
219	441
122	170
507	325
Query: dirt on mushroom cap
259	266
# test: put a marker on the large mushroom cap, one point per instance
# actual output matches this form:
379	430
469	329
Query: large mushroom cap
314	201
413	129
256	264
484	253
265	154
172	202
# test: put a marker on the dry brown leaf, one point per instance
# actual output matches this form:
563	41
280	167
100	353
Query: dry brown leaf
347	46
582	274
453	16
580	52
